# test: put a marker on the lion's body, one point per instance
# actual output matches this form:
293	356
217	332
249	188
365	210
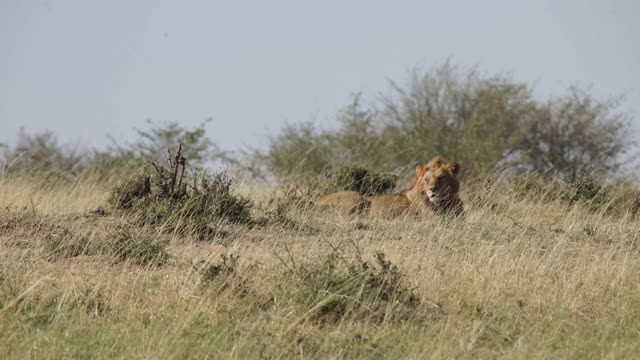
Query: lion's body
435	190
392	205
350	202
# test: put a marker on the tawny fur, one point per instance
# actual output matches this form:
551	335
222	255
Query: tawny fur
350	202
442	187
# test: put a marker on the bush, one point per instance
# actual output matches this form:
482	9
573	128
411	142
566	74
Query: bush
130	192
584	188
616	199
163	198
152	143
336	288
576	134
357	178
41	153
478	119
214	196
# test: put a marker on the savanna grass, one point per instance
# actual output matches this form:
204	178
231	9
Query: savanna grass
519	276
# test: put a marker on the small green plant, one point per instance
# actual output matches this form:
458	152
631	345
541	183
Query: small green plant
224	268
223	276
585	188
141	249
337	288
364	181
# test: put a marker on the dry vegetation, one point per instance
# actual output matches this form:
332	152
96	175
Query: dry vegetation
522	275
180	263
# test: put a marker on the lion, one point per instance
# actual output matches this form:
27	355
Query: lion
440	179
435	190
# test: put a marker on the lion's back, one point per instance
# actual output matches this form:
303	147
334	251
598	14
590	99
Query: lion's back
390	205
348	201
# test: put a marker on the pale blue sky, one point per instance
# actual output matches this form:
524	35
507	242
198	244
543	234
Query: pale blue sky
86	68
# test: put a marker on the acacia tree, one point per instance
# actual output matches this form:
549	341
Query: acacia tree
457	112
304	148
153	142
467	116
576	134
298	148
358	137
40	152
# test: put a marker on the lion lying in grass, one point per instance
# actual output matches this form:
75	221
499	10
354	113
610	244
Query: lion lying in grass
435	190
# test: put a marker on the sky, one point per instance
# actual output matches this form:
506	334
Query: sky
87	68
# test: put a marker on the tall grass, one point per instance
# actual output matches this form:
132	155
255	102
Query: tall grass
520	276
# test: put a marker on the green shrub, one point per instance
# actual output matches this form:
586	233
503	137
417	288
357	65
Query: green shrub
223	276
585	188
213	198
618	198
163	199
337	288
222	269
41	153
364	181
44	155
233	208
464	114
129	192
615	199
193	213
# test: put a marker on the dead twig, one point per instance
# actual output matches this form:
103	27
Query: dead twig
175	169
181	162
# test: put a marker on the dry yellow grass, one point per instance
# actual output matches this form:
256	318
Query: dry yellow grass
512	279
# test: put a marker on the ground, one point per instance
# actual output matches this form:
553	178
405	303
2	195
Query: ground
514	278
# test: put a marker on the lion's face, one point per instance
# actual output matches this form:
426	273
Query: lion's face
438	180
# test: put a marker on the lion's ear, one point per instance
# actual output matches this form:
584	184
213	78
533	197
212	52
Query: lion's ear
455	168
420	170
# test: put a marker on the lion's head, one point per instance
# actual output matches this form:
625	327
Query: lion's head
439	182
